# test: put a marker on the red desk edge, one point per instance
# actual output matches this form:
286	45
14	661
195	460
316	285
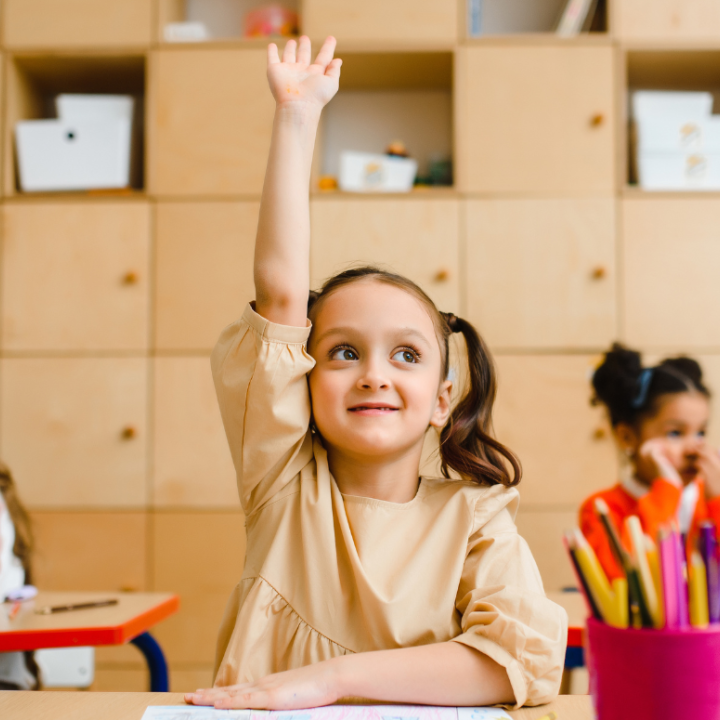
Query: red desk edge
14	640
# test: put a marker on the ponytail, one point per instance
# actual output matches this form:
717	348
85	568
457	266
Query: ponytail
466	444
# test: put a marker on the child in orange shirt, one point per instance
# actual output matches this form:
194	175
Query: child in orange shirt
659	416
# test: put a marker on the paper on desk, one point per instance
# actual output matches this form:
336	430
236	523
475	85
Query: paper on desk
332	712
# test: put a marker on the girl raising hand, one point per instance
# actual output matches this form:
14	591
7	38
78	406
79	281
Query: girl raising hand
361	578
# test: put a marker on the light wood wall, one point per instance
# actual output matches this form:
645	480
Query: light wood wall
110	304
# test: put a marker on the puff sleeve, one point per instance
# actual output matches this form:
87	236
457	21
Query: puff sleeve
505	613
260	373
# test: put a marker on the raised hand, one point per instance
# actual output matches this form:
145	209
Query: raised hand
296	81
652	455
709	464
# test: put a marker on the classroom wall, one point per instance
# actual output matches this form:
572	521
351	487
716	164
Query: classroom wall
110	303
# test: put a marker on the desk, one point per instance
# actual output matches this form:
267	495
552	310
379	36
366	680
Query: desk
128	621
131	706
574	605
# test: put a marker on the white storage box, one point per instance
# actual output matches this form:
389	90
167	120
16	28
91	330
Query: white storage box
679	171
87	147
655	104
72	667
367	172
663	134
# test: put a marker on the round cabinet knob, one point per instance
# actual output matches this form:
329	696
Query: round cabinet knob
598	273
442	275
600	433
128	433
130	278
597	120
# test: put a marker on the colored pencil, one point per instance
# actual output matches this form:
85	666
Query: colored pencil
669	572
682	581
569	543
654	563
709	552
640	560
697	585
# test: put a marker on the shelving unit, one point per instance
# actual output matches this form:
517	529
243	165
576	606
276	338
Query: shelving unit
110	303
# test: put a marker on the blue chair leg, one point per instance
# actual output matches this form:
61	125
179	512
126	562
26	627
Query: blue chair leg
155	659
574	658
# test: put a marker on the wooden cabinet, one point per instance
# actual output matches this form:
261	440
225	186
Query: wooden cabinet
541	273
192	463
543	414
213	545
666	20
543	531
75	276
414	236
399	21
210	120
73	430
76	23
204	261
671	256
535	119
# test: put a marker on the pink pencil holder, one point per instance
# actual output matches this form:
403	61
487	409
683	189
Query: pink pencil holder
652	674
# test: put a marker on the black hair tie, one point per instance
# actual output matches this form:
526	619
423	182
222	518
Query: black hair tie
452	322
643	383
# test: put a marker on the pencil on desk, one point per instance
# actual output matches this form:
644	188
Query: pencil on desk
51	609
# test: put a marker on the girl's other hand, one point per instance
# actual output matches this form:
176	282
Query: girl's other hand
297	81
306	687
709	463
652	454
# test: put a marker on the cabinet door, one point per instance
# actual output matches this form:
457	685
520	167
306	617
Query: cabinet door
541	273
666	19
76	23
213	545
75	276
543	414
73	430
204	262
192	461
413	21
536	119
210	121
671	253
416	237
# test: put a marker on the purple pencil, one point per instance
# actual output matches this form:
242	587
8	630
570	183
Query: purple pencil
682	584
669	574
709	552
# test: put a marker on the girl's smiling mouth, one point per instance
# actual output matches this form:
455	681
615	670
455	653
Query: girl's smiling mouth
372	409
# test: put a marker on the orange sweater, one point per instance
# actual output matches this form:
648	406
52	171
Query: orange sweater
659	505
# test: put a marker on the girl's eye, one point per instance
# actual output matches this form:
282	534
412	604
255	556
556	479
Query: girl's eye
405	356
701	433
344	354
673	433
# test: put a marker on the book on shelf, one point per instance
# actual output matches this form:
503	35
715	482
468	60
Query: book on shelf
577	17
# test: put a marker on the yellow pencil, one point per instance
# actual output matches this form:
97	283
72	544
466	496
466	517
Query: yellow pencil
697	586
640	560
549	716
611	601
654	563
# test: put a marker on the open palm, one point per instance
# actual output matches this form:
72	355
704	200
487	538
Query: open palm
295	80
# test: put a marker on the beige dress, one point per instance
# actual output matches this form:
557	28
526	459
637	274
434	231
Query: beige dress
328	574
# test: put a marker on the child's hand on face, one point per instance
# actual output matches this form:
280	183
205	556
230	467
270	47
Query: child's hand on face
709	463
306	687
297	81
652	454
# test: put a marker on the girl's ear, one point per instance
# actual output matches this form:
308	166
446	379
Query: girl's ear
442	408
627	438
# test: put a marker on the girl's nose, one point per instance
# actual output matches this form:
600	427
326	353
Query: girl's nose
373	379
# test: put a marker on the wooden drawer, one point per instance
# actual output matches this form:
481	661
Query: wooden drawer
543	531
192	463
535	119
213	545
399	21
75	276
210	122
666	20
541	273
204	270
73	430
417	237
543	414
76	23
671	256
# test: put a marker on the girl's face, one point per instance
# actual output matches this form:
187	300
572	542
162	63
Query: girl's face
376	385
680	424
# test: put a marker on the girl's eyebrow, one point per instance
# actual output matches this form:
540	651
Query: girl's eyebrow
343	330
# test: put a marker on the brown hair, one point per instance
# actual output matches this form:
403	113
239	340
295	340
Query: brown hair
466	443
24	543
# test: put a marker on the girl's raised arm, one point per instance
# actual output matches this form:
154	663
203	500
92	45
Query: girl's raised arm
282	248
